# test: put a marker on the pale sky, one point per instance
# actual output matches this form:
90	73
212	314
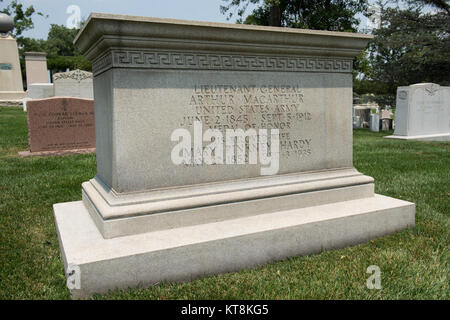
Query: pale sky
202	10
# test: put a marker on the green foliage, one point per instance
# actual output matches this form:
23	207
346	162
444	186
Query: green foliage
32	45
61	52
60	41
377	89
22	17
339	15
361	65
61	63
411	47
438	4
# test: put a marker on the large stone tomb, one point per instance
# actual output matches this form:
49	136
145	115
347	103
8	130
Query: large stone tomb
145	218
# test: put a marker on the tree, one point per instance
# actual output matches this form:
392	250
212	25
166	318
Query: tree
336	15
439	4
22	18
62	53
411	46
60	41
308	14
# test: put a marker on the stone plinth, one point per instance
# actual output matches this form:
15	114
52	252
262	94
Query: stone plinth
41	90
77	83
36	67
57	125
422	113
185	253
11	87
154	78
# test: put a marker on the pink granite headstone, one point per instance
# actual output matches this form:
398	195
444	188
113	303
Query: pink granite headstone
60	124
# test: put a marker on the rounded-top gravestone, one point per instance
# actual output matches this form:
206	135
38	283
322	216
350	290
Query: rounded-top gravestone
6	23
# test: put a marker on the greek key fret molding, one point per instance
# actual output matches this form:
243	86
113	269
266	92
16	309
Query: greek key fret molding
207	61
102	64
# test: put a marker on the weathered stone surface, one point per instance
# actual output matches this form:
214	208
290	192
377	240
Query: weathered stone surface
158	102
10	103
155	76
386	114
56	124
11	87
150	100
76	83
186	253
374	122
163	75
36	67
40	90
119	215
23	154
422	112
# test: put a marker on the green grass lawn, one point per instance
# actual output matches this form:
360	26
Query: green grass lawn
414	263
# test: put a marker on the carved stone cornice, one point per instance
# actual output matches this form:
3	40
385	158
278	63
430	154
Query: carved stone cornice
147	59
111	41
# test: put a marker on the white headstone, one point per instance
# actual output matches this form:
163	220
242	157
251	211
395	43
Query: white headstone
374	122
40	90
77	84
423	112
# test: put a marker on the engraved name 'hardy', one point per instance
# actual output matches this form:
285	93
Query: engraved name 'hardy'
235	147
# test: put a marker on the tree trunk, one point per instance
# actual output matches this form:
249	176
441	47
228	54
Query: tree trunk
275	16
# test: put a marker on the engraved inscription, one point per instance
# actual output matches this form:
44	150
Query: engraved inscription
282	107
5	66
403	95
61	124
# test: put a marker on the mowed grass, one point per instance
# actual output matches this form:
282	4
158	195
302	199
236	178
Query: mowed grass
414	262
